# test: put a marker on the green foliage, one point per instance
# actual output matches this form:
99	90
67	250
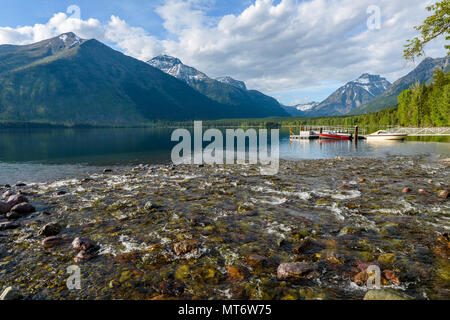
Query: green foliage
423	105
436	25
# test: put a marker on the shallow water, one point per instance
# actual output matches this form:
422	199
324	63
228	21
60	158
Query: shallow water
38	155
303	214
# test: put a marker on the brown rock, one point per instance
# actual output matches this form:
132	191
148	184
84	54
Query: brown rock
184	247
16	199
391	276
81	244
406	190
361	278
423	192
235	274
84	255
255	260
443	194
51	241
293	270
444	239
4	208
361	180
50	229
23	208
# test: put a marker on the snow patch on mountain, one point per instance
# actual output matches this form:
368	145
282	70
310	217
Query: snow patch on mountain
232	82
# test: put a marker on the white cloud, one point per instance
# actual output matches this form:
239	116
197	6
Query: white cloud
274	47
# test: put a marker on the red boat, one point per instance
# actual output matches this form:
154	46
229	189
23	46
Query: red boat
335	135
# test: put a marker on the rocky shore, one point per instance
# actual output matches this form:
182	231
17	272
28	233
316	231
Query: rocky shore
226	232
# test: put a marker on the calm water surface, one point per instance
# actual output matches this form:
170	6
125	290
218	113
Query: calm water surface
37	155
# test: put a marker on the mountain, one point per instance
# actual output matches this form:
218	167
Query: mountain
232	82
225	90
422	73
71	80
300	109
350	96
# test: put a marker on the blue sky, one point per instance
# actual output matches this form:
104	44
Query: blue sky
296	51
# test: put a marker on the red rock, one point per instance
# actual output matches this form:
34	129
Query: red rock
443	194
406	190
293	270
422	192
361	278
391	276
361	180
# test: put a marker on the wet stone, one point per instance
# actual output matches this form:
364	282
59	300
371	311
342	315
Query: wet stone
50	229
85	244
52	241
8	225
444	194
406	190
385	294
4	207
184	247
293	270
16	199
23	208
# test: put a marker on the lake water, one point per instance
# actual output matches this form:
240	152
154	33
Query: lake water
38	155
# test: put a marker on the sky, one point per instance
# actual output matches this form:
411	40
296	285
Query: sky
297	51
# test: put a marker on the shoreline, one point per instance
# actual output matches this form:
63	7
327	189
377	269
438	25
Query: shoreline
195	232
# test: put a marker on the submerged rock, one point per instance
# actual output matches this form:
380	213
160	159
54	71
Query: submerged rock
11	293
8	226
184	247
52	241
293	270
16	199
385	294
4	207
50	229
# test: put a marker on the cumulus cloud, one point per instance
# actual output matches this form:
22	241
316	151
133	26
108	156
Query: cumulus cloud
273	46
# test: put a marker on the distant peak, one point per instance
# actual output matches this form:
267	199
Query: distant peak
167	59
233	82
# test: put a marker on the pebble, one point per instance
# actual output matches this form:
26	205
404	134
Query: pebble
444	194
422	192
406	190
51	241
50	229
80	244
23	208
293	270
184	247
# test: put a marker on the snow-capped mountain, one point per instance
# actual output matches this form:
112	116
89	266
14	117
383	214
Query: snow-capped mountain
351	96
224	90
299	110
306	106
177	69
232	82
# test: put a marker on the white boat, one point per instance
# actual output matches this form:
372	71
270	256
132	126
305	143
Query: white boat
386	135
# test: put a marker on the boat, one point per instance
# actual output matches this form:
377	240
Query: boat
304	135
385	135
335	135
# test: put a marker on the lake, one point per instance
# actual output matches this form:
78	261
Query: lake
38	155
